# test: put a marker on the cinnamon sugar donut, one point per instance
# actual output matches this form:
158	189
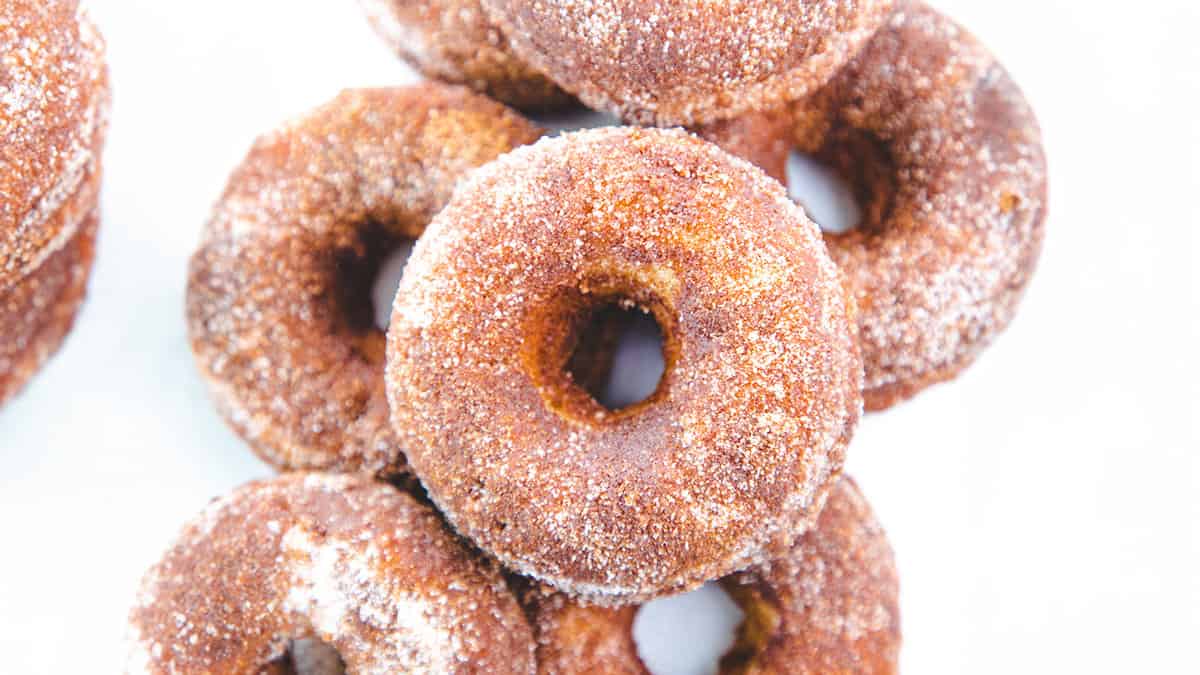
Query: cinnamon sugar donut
670	63
830	604
946	157
352	562
455	41
278	300
749	422
53	117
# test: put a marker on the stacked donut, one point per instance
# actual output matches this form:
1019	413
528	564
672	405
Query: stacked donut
53	116
454	497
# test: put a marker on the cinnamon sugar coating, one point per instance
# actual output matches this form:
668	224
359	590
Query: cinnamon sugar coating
670	63
53	114
946	158
37	314
749	424
353	562
279	292
828	605
831	605
455	41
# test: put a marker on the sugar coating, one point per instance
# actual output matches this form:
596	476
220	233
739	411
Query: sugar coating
352	562
455	41
574	638
670	63
54	103
749	425
946	157
269	316
830	605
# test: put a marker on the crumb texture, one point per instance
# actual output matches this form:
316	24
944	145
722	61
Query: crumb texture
349	561
748	426
278	297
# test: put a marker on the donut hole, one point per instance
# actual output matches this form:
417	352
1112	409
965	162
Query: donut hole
308	656
601	355
705	620
847	184
387	280
366	274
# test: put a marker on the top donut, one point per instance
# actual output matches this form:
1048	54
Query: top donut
686	63
51	104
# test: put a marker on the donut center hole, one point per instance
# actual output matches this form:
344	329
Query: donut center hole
308	656
601	352
825	195
387	280
357	270
619	360
687	634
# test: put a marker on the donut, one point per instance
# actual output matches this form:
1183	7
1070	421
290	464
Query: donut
455	41
54	102
685	63
830	604
751	418
344	559
278	296
946	157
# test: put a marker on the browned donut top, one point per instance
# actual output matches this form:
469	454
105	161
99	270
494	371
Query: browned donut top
829	606
748	424
279	296
353	562
454	40
53	106
687	62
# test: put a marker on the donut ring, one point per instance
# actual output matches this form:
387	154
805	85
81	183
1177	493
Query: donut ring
829	605
278	307
669	63
53	118
454	41
344	559
946	157
52	122
689	485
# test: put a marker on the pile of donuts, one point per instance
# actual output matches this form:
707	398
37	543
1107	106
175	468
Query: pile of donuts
54	102
454	498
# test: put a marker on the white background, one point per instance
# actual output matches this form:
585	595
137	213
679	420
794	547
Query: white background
1044	508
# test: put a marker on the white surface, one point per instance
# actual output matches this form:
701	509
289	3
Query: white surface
1044	507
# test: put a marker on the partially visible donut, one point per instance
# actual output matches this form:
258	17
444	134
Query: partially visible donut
352	562
54	100
279	293
455	41
828	605
749	423
946	158
670	63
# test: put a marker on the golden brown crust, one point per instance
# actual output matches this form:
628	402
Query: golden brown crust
353	562
830	606
687	63
52	119
455	41
946	158
277	300
750	422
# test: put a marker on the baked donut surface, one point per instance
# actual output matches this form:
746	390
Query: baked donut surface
53	114
946	158
828	605
670	63
353	562
748	425
279	291
455	41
